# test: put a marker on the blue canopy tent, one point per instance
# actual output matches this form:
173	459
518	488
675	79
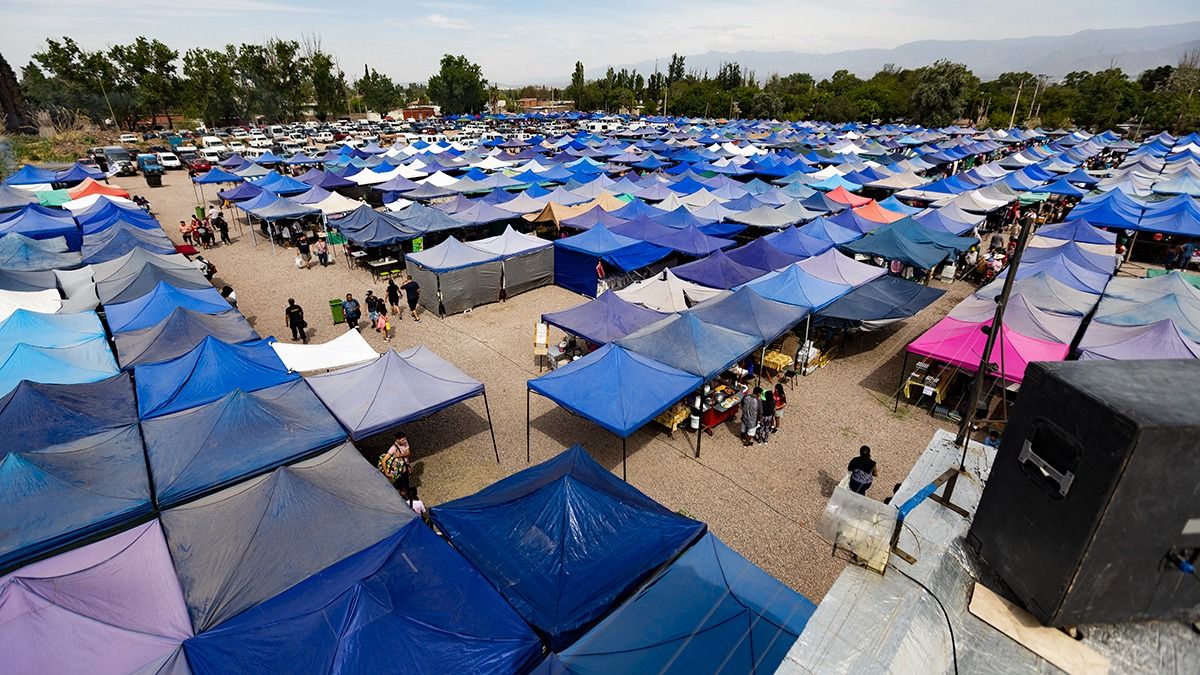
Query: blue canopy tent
764	255
911	243
14	198
36	415
236	548
178	333
370	228
685	342
794	286
410	601
748	312
1112	209
402	387
41	222
207	372
893	204
827	230
613	387
48	330
578	260
118	240
196	451
1063	188
1079	230
216	175
642	228
118	287
691	241
86	361
598	538
710	611
150	309
60	494
795	242
593	217
878	303
604	319
134	218
241	193
29	174
717	271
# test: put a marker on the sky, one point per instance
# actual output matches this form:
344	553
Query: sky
532	41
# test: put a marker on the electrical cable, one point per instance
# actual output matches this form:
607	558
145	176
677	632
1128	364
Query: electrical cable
949	624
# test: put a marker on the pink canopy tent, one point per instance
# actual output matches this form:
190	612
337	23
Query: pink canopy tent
960	343
114	606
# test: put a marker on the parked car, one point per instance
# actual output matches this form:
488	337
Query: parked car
323	137
194	162
148	163
210	155
129	138
118	160
237	146
169	160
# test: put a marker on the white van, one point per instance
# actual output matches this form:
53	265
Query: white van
212	143
259	141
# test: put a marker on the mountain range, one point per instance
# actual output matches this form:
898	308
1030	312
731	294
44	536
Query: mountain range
1131	49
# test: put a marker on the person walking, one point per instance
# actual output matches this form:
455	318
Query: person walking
767	417
294	317
414	502
185	231
229	295
412	293
373	310
393	297
351	311
751	409
863	471
305	251
222	228
321	249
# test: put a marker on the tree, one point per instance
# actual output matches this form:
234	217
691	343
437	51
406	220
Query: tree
459	87
147	71
940	94
329	87
12	102
766	105
209	88
1106	99
378	92
578	83
675	72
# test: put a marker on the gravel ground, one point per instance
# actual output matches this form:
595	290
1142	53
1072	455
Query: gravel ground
763	501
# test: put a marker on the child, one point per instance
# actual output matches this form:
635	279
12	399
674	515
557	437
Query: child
780	404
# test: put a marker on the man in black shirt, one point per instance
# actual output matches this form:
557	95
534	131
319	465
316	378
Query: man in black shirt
412	293
294	317
862	471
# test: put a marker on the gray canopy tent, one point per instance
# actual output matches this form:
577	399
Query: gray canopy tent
455	277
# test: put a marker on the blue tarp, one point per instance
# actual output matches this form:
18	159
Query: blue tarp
236	548
394	389
204	374
564	541
42	222
685	342
35	415
196	451
884	299
717	271
59	494
616	388
409	603
711	611
748	312
604	319
148	310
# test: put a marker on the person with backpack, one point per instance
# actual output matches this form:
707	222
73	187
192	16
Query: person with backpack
863	471
222	228
394	464
294	317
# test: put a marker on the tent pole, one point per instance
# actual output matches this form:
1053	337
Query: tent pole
491	429
903	370
624	460
527	425
700	425
762	358
804	367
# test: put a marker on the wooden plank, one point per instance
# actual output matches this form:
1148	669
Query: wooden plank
1051	644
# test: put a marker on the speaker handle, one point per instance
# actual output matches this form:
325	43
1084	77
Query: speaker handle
1062	480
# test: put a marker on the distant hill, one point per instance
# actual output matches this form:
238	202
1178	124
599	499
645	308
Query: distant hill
1131	49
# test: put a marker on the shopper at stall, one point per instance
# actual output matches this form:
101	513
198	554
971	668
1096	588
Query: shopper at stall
751	409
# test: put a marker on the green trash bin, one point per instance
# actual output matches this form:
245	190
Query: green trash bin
335	308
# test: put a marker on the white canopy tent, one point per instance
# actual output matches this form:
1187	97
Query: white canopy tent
349	349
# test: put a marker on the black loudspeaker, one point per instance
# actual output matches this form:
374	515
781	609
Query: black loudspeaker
1093	503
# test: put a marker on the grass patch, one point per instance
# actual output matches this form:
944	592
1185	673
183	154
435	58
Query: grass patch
62	148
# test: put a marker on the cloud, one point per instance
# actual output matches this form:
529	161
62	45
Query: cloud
446	22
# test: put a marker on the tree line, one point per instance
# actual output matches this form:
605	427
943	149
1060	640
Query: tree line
143	83
934	95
